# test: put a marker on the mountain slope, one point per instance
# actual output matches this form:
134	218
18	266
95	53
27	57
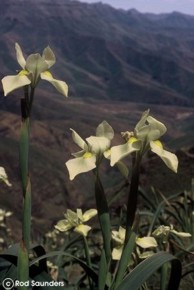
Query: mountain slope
103	52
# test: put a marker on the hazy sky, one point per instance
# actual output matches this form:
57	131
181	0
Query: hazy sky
155	6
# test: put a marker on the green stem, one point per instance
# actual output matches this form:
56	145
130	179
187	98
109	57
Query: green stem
103	215
26	223
23	256
31	99
192	210
88	259
23	266
132	197
26	186
86	248
24	152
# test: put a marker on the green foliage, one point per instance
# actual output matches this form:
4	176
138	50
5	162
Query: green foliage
145	269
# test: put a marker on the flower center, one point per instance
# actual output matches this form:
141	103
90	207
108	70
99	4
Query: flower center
132	140
23	72
158	143
47	73
87	155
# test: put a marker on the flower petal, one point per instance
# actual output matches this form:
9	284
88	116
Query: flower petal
78	140
82	229
72	217
145	255
161	230
157	128
80	165
8	213
107	154
119	236
63	225
122	232
59	85
98	144
79	153
105	130
36	65
142	121
116	238
4	177
149	128
169	158
89	214
181	234
146	242
79	215
121	151
117	252
11	83
19	55
49	56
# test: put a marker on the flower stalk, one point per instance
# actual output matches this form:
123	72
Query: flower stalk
132	196
26	105
103	215
88	259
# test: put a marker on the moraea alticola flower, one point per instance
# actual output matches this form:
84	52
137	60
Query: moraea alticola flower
145	137
93	149
34	68
165	231
119	238
76	220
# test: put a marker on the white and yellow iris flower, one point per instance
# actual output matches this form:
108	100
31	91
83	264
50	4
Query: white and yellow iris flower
165	231
119	238
76	220
93	149
145	137
34	68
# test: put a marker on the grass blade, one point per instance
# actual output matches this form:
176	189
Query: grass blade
145	269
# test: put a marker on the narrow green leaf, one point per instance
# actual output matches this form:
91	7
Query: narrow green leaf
158	210
145	269
40	251
188	269
104	217
9	271
164	276
38	274
125	258
90	272
103	270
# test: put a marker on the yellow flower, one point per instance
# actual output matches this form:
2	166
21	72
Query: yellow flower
34	68
76	220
